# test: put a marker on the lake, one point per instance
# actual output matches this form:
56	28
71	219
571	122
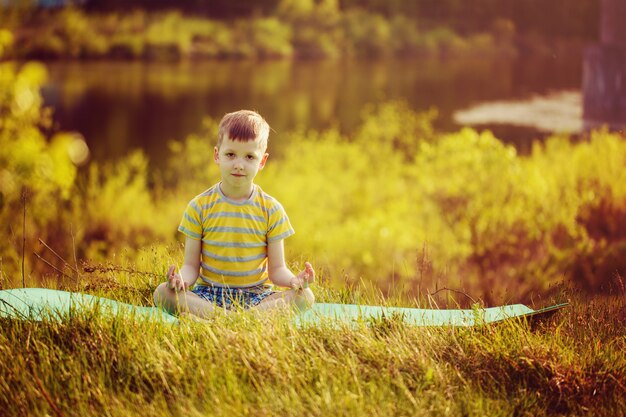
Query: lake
119	106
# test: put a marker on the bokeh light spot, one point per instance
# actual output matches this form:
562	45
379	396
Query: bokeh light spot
78	150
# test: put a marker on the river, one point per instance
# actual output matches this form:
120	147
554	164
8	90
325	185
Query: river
118	106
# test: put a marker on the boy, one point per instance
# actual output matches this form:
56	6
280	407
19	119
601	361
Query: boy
234	235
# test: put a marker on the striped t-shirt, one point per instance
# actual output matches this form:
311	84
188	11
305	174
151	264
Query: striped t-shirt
234	235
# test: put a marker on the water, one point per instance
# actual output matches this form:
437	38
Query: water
119	106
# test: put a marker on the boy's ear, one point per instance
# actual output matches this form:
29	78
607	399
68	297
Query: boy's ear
263	160
216	155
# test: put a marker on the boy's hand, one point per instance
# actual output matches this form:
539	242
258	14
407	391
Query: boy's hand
304	278
175	281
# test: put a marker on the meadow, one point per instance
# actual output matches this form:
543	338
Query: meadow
388	215
246	364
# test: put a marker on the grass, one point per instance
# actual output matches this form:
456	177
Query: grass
246	364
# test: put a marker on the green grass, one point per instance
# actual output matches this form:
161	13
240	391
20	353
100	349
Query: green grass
246	364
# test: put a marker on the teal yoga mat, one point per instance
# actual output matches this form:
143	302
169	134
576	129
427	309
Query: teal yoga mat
41	303
352	313
45	304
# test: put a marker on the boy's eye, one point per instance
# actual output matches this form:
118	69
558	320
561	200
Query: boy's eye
250	157
230	155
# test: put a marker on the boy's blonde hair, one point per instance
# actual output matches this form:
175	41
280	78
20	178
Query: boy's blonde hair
244	126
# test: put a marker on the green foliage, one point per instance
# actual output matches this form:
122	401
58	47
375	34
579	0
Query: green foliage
166	37
369	34
130	213
563	18
495	222
78	34
264	38
191	168
35	173
404	37
6	40
71	33
298	29
397	126
316	28
589	199
309	29
538	16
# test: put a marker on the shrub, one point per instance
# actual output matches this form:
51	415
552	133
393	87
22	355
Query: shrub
368	34
167	38
79	35
35	174
268	37
316	28
404	38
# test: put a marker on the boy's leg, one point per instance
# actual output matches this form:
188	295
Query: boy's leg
302	299
182	302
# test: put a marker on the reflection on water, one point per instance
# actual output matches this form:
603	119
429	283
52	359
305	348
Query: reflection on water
559	112
118	106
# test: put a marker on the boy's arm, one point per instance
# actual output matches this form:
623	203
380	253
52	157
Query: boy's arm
282	276
191	267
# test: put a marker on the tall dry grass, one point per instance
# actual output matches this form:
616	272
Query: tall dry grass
91	364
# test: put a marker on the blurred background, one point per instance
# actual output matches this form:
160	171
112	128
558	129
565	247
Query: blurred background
130	74
448	141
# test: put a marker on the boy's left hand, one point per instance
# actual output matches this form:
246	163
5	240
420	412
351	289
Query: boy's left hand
304	278
175	281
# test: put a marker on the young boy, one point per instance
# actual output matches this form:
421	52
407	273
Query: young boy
234	235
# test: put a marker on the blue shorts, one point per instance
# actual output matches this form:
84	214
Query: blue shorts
233	297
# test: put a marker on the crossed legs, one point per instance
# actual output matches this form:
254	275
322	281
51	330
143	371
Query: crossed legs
187	302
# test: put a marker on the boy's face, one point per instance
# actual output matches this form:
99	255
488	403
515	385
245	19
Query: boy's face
239	161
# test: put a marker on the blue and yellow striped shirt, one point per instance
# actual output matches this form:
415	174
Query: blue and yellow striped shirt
234	235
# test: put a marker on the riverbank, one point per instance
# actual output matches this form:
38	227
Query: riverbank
321	33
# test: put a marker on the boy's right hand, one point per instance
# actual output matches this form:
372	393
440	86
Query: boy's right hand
175	281
304	278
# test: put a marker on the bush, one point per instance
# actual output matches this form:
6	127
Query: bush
79	35
404	38
303	29
461	209
268	37
367	34
36	174
167	37
316	28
